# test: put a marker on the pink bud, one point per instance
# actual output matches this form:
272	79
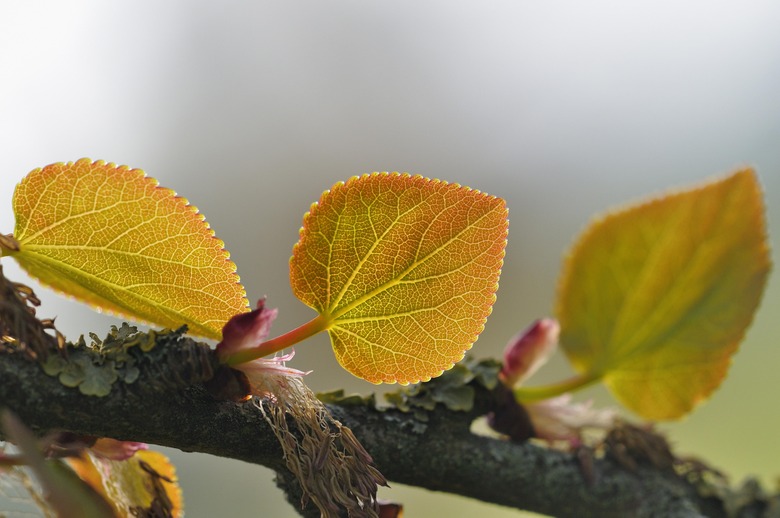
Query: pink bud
116	450
264	374
249	330
529	350
246	330
558	419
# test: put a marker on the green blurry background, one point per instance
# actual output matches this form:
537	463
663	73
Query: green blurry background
252	109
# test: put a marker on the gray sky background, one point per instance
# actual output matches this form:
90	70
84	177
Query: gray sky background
251	109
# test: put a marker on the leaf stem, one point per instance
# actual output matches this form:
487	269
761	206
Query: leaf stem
300	333
8	245
532	394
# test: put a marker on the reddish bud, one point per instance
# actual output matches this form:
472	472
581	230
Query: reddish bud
390	509
249	330
116	450
246	330
529	350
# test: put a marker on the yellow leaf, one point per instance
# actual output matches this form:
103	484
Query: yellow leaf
656	297
146	482
111	237
403	270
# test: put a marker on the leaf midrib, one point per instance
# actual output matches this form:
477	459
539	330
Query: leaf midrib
694	260
129	310
27	248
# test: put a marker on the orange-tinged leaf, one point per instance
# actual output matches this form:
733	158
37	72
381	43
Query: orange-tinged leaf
113	238
145	482
403	270
656	297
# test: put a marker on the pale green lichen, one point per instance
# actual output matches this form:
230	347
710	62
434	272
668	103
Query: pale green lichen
98	379
74	372
452	389
337	397
94	368
54	365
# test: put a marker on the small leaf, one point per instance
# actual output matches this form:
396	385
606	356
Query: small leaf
655	298
403	270
143	485
111	237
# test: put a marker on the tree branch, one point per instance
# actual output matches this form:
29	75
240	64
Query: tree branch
168	405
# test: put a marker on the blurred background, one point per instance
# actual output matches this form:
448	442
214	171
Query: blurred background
251	109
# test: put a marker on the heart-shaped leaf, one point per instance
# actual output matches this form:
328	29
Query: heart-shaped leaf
111	237
403	270
656	297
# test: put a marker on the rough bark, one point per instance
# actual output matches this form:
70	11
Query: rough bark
443	455
169	405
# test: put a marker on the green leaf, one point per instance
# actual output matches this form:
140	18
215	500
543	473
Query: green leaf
111	237
656	297
403	271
